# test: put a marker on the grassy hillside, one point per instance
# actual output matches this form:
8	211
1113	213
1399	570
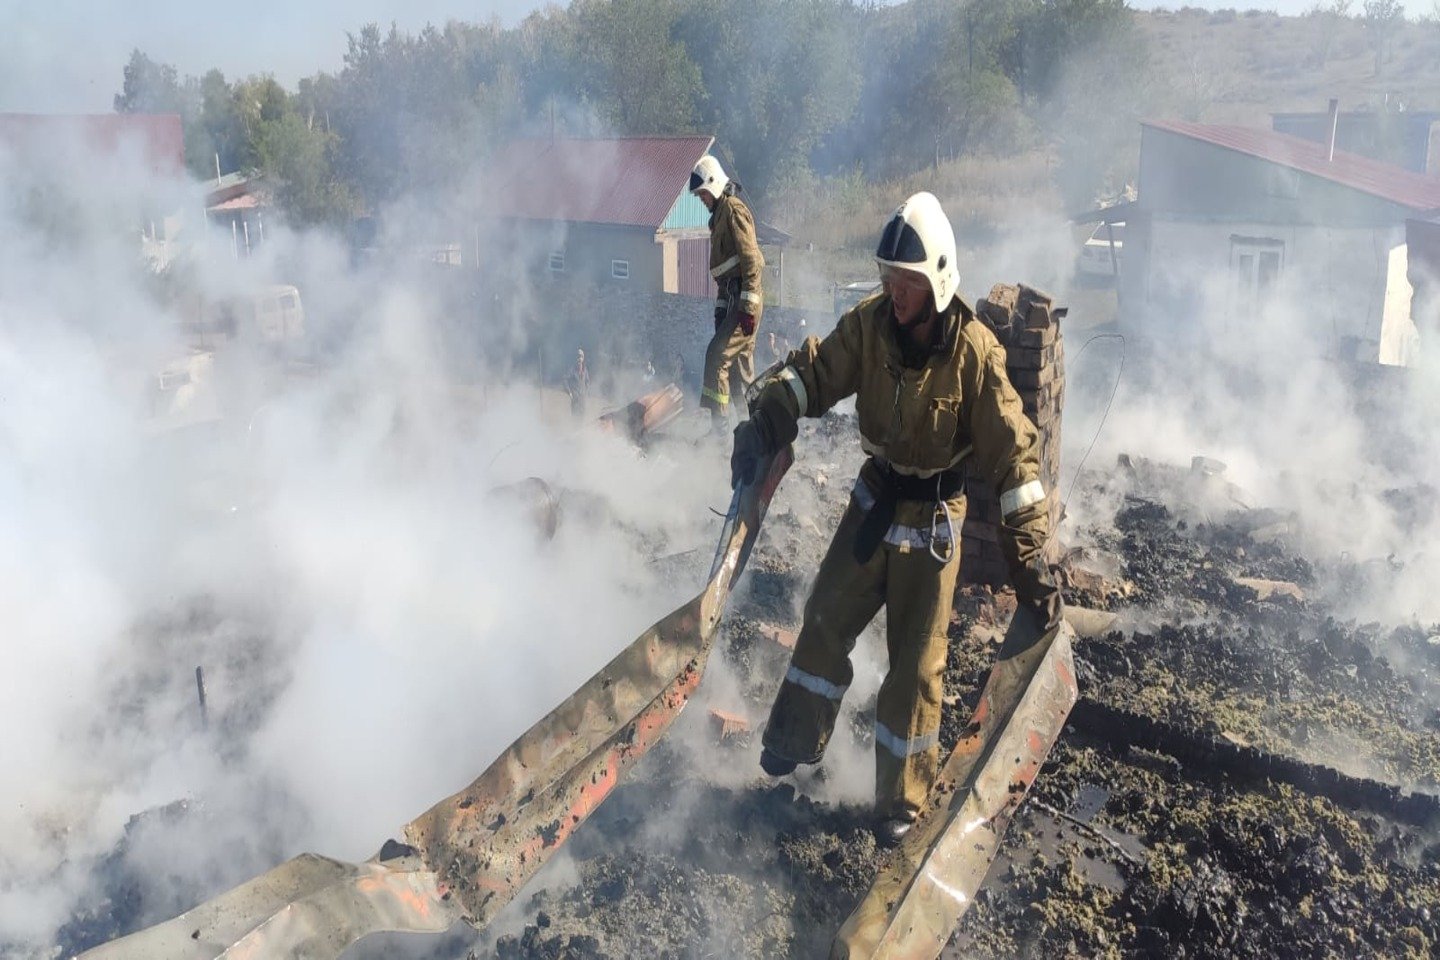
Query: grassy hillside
1216	67
1231	67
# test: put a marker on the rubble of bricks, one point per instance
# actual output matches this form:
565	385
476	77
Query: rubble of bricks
1027	325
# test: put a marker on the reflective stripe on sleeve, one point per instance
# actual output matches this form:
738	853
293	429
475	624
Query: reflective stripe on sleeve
877	450
816	685
720	398
1014	500
750	297
901	747
717	271
791	379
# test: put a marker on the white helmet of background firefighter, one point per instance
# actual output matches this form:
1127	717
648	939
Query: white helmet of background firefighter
918	237
709	176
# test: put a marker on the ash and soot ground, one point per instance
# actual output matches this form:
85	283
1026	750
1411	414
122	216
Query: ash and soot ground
1248	772
1188	810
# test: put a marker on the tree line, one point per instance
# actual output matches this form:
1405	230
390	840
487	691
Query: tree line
792	89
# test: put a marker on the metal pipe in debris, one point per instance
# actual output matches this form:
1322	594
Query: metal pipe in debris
200	689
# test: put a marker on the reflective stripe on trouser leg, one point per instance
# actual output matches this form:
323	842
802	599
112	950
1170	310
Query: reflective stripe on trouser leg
919	594
844	600
713	393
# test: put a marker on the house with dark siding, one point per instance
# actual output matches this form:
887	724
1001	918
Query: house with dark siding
605	211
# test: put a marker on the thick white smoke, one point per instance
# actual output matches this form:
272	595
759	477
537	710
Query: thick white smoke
373	628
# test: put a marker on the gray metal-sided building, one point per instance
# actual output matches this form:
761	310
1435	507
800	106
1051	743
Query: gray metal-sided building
1238	231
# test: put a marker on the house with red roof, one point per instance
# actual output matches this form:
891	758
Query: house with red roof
606	211
1233	226
106	149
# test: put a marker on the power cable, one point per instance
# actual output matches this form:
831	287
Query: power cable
1119	374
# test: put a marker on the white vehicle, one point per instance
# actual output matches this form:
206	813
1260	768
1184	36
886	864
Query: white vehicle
272	316
849	294
1095	261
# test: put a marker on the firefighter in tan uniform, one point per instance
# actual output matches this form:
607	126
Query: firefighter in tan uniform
931	394
736	266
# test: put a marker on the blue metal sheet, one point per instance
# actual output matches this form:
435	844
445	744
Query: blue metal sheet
687	212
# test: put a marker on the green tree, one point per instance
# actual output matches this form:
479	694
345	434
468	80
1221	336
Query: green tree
777	78
1088	79
1382	19
633	67
297	157
150	87
1327	17
224	129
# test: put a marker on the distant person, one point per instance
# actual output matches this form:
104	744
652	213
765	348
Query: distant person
649	375
778	348
736	266
577	384
931	396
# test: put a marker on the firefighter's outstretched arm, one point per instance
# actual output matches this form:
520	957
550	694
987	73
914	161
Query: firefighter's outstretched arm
1007	449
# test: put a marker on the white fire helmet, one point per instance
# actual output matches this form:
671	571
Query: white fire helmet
709	176
918	237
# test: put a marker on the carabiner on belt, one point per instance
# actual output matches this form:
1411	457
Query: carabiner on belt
942	510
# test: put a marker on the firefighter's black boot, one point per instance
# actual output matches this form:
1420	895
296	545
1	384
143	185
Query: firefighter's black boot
774	764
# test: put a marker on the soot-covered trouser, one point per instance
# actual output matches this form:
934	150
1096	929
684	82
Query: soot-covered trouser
730	357
903	575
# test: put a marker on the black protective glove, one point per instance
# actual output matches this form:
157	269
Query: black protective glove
1022	540
1036	591
770	427
746	454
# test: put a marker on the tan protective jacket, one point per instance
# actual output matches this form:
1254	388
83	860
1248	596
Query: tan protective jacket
735	254
959	405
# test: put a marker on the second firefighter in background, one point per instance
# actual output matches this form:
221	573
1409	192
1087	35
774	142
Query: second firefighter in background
737	267
932	396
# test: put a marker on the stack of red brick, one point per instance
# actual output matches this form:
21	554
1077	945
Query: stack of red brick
1027	324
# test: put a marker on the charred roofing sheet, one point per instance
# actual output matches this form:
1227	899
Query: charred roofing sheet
1386	181
630	181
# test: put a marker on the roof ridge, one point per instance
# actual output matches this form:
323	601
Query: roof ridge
628	136
1355	171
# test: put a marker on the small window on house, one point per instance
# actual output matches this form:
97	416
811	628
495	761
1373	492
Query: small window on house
173	379
557	261
1256	263
620	269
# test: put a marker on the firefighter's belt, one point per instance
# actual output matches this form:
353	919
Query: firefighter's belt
895	487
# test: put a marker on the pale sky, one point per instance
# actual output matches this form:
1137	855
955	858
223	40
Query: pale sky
67	55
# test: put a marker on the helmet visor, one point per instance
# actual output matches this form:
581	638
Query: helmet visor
892	277
696	181
899	243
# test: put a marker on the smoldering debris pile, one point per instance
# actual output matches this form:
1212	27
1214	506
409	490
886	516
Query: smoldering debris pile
1247	774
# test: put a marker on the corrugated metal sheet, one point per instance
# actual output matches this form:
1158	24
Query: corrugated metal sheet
689	212
1395	184
244	202
48	136
694	266
630	181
